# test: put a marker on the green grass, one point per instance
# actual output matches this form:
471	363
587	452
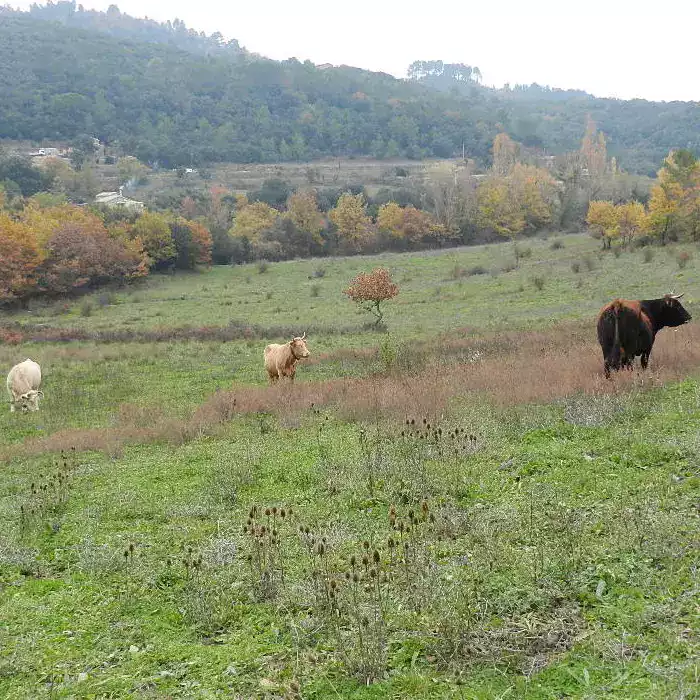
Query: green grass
562	561
282	296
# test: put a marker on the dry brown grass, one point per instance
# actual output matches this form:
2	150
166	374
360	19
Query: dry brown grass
508	369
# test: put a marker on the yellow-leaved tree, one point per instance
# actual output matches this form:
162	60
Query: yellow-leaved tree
674	205
630	221
251	219
303	211
497	210
19	259
535	191
602	220
390	220
354	226
663	210
153	230
410	225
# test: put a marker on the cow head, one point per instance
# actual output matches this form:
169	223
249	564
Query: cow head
298	346
672	311
30	400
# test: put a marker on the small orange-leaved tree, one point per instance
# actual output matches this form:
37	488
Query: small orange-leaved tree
370	289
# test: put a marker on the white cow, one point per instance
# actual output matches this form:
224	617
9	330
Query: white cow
23	386
281	360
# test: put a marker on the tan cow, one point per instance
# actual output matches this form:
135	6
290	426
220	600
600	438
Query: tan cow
23	386
280	360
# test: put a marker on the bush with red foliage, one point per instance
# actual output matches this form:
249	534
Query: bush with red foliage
370	289
85	255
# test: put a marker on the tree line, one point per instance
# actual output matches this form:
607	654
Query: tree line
50	249
672	212
50	243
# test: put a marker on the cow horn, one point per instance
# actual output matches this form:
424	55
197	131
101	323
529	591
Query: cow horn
303	336
677	296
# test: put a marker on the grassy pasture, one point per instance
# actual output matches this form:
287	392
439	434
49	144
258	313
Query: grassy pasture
538	540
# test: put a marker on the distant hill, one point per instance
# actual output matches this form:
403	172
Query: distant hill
173	96
123	26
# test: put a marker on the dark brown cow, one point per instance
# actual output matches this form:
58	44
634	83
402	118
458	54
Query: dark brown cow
628	328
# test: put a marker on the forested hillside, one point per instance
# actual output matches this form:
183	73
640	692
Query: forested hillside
123	26
170	95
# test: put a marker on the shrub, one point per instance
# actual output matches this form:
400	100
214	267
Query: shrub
369	290
263	266
539	283
319	272
684	257
589	263
576	267
106	299
557	244
648	255
523	253
315	290
617	251
457	272
642	241
86	308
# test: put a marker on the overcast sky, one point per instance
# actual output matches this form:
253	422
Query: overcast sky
613	48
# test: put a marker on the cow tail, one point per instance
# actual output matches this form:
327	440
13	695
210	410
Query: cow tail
616	354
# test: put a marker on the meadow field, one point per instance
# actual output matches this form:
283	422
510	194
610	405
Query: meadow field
457	505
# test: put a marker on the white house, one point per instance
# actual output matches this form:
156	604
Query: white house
117	199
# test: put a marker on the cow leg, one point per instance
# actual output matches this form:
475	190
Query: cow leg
12	407
645	359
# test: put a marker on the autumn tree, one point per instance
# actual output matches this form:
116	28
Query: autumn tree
497	210
370	289
594	151
353	224
390	219
602	220
409	225
452	192
303	211
630	221
535	192
19	259
156	237
674	206
251	219
663	210
192	242
505	154
46	221
188	207
80	256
